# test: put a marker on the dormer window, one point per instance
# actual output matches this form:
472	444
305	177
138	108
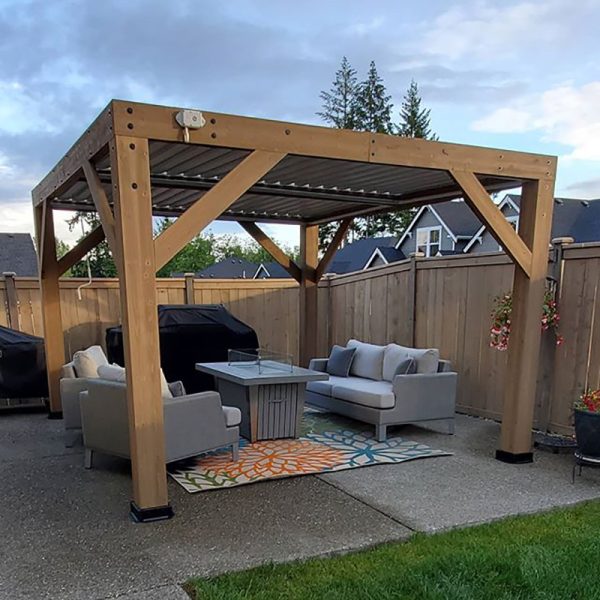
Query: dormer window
428	240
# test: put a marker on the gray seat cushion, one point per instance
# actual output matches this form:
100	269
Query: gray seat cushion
368	360
320	387
376	394
233	416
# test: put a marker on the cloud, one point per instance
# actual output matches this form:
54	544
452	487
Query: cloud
493	31
588	188
566	114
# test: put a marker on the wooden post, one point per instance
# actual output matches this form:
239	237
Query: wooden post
190	294
51	315
535	222
133	217
412	298
12	302
309	248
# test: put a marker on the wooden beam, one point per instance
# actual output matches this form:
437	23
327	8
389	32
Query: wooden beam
491	216
102	206
309	249
51	314
332	249
133	216
535	224
92	144
273	249
214	202
75	254
229	131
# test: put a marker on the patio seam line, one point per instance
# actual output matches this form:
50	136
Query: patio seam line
378	510
171	583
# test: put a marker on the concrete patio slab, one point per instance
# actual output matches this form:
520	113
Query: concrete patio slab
66	532
468	487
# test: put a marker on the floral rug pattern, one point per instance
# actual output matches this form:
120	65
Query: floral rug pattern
328	443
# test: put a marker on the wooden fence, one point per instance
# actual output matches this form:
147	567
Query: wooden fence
441	302
268	305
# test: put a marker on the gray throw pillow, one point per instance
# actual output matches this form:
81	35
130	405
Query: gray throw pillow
340	360
407	367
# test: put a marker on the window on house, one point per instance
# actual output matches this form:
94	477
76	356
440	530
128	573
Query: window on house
514	221
428	240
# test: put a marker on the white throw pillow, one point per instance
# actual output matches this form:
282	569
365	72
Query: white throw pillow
118	373
427	359
112	373
368	360
86	362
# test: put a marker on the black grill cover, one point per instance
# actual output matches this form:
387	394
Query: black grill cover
22	365
190	333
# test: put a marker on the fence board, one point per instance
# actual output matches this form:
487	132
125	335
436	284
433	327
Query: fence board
453	300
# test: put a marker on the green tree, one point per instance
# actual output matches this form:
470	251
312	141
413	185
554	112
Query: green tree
195	256
100	259
373	106
414	119
339	103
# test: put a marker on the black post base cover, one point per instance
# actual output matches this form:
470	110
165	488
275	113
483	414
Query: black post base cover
149	515
519	458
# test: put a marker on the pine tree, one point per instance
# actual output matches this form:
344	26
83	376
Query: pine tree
373	106
414	120
339	104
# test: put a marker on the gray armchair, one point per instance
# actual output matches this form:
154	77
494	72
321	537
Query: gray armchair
71	387
193	424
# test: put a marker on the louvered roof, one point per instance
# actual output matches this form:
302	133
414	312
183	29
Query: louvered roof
300	189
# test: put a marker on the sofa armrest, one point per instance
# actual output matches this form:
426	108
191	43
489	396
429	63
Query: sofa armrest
318	364
195	423
69	396
105	418
425	396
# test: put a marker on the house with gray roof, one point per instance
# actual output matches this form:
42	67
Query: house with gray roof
18	255
579	219
229	268
453	228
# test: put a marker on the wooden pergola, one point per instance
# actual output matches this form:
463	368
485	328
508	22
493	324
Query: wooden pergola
136	161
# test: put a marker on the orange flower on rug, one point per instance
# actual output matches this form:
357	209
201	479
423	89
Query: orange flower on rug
274	458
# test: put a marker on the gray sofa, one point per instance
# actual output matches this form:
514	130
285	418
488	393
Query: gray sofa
193	424
373	393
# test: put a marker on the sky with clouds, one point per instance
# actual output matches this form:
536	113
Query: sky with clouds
513	74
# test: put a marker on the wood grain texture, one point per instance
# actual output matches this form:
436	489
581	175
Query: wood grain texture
133	216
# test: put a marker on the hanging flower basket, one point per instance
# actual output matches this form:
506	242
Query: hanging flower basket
500	330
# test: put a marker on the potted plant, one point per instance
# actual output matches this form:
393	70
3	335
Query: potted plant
587	423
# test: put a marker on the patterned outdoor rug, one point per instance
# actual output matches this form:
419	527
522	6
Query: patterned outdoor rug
328	443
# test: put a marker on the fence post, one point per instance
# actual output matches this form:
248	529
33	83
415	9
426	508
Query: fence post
412	297
12	300
548	345
190	295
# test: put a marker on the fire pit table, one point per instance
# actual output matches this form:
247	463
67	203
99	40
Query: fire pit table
267	388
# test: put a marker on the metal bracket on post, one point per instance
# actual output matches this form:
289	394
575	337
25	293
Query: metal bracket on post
12	301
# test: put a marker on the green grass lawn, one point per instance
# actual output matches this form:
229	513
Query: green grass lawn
550	555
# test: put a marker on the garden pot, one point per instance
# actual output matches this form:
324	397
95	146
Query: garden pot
587	432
